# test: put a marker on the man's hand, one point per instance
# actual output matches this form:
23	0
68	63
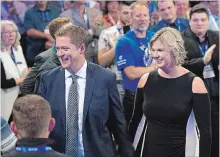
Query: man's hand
96	20
114	39
13	11
208	55
153	66
25	72
50	38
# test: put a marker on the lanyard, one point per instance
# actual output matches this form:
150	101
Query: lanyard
34	149
137	40
203	50
178	25
44	16
13	56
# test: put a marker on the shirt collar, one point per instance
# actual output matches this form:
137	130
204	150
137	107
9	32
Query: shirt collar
167	23
80	73
47	8
197	38
35	142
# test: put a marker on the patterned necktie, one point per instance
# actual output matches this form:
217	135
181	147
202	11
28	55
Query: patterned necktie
72	120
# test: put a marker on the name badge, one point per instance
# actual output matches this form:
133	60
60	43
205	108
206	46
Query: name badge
208	72
18	62
93	44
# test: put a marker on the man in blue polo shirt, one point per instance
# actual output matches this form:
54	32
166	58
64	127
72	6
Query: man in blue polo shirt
132	56
169	17
35	22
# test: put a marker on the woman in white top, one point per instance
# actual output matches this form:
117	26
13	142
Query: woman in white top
14	68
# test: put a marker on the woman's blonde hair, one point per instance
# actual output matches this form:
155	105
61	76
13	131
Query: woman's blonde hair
18	36
172	39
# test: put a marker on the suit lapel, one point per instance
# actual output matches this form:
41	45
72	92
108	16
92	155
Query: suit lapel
61	101
211	40
194	42
90	81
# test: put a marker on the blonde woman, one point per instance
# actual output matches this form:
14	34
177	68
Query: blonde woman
167	97
13	66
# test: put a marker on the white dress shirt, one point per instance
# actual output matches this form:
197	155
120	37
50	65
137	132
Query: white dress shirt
81	85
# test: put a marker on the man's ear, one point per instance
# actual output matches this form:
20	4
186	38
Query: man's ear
51	124
14	128
82	48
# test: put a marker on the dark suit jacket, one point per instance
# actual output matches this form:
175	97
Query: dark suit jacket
194	60
51	63
43	154
102	112
27	87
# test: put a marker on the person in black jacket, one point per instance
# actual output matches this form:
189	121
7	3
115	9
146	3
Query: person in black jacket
202	46
9	83
32	124
27	87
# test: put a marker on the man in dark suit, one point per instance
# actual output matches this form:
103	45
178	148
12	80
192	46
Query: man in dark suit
27	87
51	63
202	46
85	101
32	123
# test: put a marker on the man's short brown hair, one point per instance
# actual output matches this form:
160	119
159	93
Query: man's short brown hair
31	115
199	8
77	34
57	23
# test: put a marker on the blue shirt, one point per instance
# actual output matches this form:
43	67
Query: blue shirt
37	19
180	24
132	51
153	7
213	22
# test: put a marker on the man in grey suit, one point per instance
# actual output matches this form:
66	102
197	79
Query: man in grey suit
92	21
27	87
85	102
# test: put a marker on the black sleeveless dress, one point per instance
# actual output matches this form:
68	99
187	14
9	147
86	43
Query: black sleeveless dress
167	104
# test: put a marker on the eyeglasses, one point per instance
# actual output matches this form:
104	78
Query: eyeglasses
9	32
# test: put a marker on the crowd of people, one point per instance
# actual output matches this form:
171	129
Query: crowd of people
110	78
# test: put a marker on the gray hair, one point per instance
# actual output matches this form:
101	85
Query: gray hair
18	36
172	39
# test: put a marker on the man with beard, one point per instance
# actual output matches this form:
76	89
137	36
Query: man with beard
132	57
